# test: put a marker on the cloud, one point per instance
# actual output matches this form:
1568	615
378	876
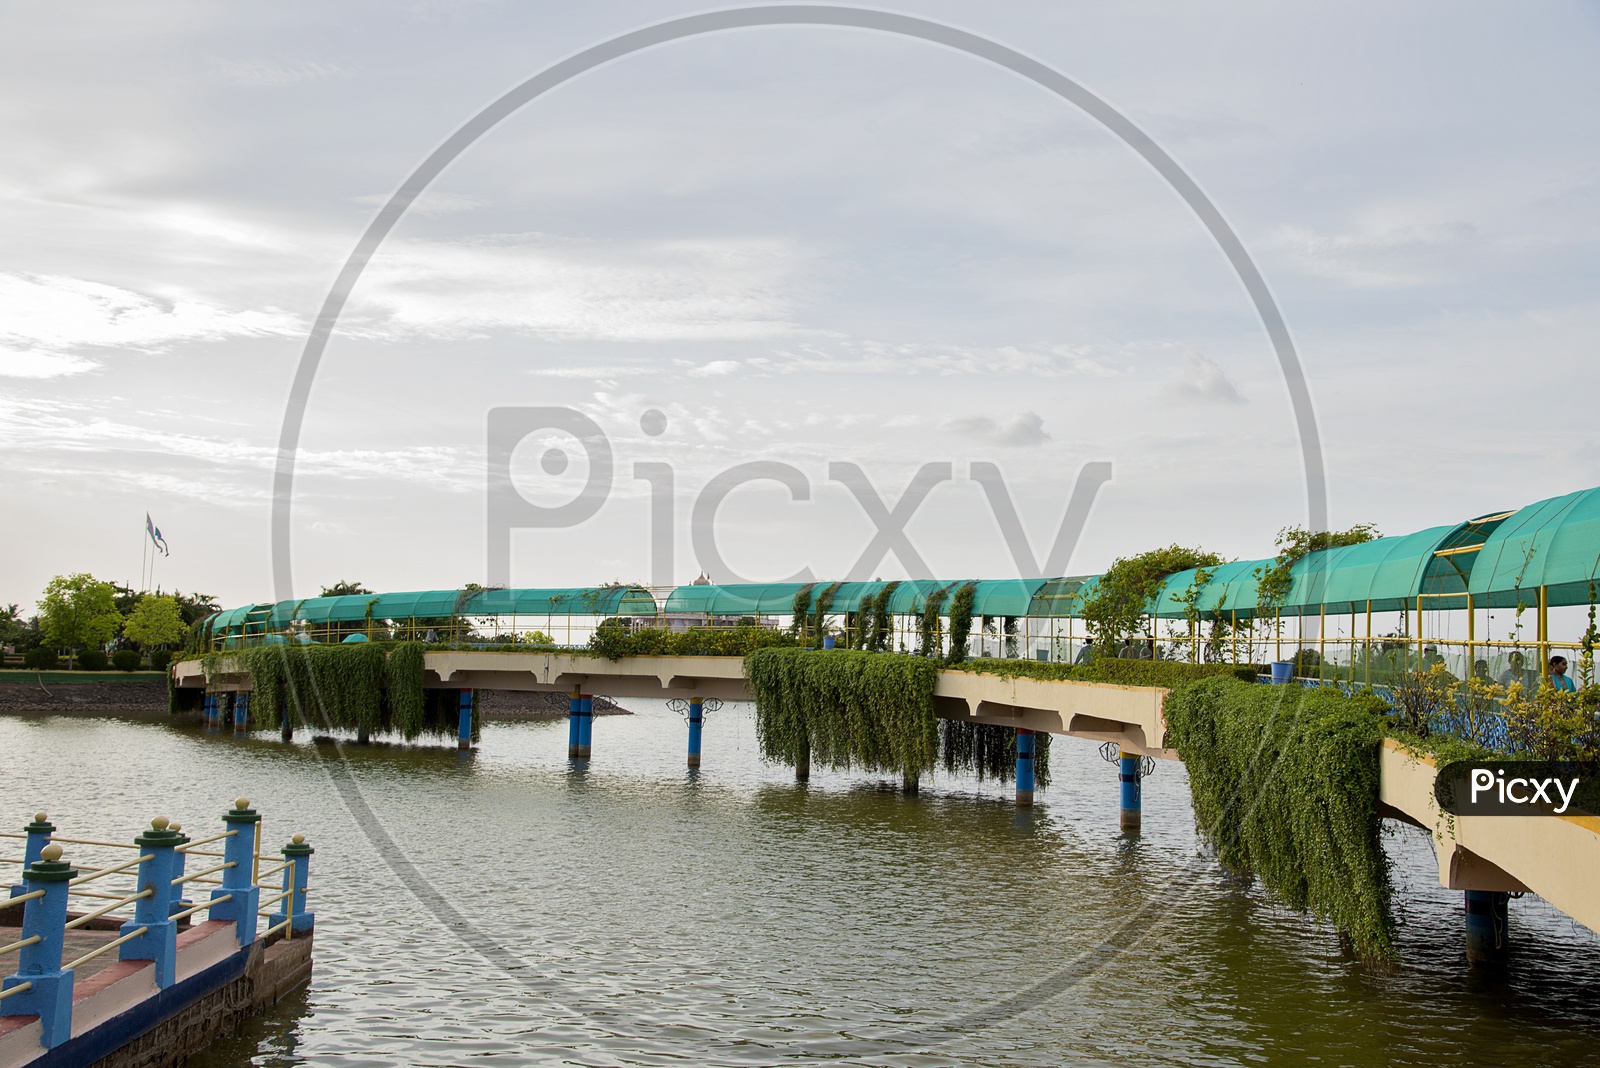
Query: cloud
37	363
1204	381
54	313
1378	256
1023	430
535	285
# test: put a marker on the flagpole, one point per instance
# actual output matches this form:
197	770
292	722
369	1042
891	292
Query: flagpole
144	551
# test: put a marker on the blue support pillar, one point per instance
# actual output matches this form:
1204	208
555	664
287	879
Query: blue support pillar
1024	768
178	902
298	853
238	899
159	940
464	727
39	832
1487	934
574	724
1132	789
241	712
696	722
49	993
585	725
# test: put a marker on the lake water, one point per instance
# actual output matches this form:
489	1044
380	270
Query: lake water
506	908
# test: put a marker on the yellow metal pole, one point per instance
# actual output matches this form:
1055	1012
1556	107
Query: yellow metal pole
1419	632
1322	639
1277	634
1233	633
1544	632
1366	648
1472	634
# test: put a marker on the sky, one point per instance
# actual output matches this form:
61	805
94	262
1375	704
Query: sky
801	247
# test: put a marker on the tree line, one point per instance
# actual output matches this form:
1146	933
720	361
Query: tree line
95	624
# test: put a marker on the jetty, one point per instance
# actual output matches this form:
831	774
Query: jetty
112	975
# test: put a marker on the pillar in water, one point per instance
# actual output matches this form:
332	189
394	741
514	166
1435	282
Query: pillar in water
585	725
464	725
574	724
1024	768
1487	934
1132	789
696	723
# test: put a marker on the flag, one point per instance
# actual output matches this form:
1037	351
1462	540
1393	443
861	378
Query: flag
155	535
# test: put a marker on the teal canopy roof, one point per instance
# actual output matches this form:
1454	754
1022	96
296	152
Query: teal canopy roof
1554	543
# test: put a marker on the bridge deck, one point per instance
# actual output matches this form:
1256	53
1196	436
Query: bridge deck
1556	857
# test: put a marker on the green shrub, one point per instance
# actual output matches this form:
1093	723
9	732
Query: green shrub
1285	787
40	658
160	659
1167	673
126	659
614	641
93	660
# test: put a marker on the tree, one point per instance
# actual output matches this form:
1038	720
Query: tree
155	620
344	589
78	610
13	628
195	606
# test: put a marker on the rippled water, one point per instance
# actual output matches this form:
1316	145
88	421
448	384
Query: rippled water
632	913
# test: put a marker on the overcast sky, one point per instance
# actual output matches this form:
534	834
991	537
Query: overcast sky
803	245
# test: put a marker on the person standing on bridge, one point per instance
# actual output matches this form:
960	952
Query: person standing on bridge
1558	675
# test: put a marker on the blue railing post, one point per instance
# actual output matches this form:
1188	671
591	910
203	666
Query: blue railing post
1024	768
574	724
585	726
238	886
294	881
464	727
49	995
1130	772
39	832
159	942
696	722
241	712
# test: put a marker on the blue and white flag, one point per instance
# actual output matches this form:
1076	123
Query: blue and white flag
155	535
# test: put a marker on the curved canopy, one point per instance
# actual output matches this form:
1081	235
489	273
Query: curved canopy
1554	543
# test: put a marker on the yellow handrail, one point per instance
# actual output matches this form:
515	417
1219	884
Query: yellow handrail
274	871
278	927
203	905
207	871
112	870
92	893
88	841
97	913
19	945
275	897
205	841
24	897
19	988
113	944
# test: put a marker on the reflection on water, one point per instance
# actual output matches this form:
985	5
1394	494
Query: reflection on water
640	914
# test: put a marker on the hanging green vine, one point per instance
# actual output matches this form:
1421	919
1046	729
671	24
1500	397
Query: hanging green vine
989	750
961	621
1117	605
928	624
873	712
882	638
801	606
1285	787
845	709
819	614
360	686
